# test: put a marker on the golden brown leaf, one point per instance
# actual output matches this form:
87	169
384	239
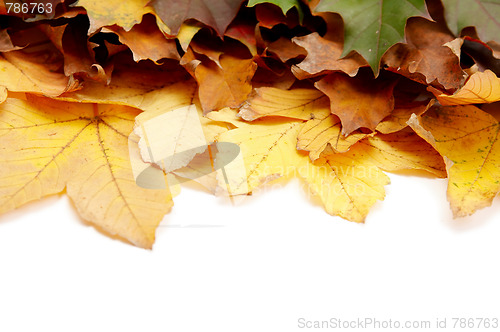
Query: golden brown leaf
36	72
358	102
323	56
144	85
425	58
146	41
228	86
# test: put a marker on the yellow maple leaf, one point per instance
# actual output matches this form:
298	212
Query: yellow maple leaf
481	87
49	145
467	138
146	86
403	150
399	117
347	185
124	14
302	104
322	128
317	134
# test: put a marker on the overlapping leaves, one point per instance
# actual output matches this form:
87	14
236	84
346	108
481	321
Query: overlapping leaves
333	92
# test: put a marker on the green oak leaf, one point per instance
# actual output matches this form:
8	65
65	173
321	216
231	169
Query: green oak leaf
372	26
285	5
482	14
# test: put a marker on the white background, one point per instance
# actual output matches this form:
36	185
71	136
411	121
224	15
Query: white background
258	266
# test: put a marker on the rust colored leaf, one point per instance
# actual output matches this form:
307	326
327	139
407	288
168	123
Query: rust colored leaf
146	41
426	58
216	14
358	102
285	49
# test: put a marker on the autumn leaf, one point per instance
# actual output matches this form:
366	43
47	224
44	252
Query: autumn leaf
399	117
324	56
285	49
145	86
483	15
371	27
6	43
481	87
425	57
124	14
402	150
324	53
216	14
72	42
317	134
285	5
301	104
37	72
48	146
244	32
467	138
140	38
347	186
228	86
119	102
358	102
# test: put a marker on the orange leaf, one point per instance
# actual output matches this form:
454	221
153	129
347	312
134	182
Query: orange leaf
228	86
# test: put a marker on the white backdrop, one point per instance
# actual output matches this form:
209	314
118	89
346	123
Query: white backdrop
277	262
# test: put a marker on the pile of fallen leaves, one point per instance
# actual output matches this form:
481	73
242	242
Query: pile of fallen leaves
333	92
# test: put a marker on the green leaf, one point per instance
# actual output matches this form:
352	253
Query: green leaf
372	26
484	15
285	5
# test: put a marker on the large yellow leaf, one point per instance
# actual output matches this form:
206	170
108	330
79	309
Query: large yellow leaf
48	145
481	87
468	140
347	185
